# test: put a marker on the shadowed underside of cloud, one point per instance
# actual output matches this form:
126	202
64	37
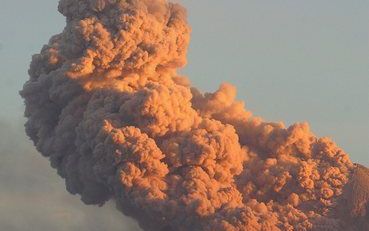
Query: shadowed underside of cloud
32	196
105	104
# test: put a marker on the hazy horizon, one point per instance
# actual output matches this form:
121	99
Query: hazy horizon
291	61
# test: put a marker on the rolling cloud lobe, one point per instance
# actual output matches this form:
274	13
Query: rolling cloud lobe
106	105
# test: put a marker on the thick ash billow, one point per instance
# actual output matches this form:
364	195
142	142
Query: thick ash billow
105	104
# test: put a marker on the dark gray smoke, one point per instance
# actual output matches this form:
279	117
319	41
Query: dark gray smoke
105	104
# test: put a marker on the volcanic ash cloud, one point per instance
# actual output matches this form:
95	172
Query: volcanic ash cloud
105	104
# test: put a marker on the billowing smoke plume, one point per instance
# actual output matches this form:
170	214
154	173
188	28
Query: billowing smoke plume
104	103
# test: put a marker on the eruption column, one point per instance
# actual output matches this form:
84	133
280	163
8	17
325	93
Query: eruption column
105	104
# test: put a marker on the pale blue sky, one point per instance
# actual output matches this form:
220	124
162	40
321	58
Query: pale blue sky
291	60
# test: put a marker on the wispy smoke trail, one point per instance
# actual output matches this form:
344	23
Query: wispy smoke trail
105	104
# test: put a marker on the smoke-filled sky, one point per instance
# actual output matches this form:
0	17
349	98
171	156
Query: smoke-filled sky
291	61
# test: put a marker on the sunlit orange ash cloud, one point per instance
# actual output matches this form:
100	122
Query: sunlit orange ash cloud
104	103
